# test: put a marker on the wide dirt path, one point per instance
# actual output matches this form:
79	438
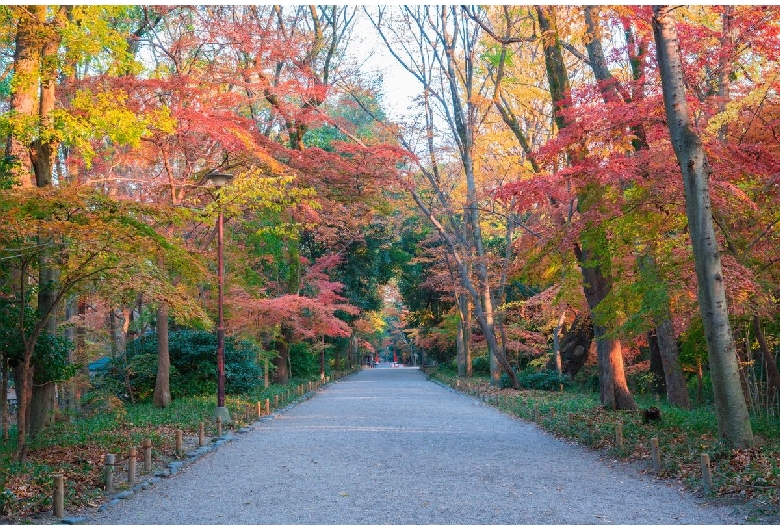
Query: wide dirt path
386	446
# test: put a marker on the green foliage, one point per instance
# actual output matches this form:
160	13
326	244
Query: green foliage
303	361
193	364
50	356
481	365
543	380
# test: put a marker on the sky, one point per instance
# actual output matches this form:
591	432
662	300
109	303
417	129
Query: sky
399	86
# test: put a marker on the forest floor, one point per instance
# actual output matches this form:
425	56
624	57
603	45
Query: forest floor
387	446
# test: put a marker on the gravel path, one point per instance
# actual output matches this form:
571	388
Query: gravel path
386	446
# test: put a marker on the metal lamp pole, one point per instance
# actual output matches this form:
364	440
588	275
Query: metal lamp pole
219	180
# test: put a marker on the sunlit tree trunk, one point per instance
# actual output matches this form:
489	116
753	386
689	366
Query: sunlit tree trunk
594	265
730	407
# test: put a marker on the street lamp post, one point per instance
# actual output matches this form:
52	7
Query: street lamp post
219	180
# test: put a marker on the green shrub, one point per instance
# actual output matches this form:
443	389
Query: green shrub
481	365
303	361
193	365
544	380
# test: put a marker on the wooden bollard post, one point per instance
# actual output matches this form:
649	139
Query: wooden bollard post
179	435
706	474
219	427
571	419
276	401
201	435
58	497
259	409
536	413
656	453
131	465
147	455
619	437
267	406
552	412
589	424
110	460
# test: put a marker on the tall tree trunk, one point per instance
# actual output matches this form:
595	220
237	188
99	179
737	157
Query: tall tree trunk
656	365
162	385
281	361
730	407
594	266
768	361
4	394
676	387
557	343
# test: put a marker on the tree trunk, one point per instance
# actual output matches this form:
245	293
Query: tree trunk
557	343
768	362
162	386
23	375
730	407
4	394
575	346
676	387
656	365
282	361
595	268
612	377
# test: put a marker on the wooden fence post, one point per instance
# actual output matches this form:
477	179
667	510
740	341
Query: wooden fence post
201	435
619	437
267	406
58	497
656	453
571	419
259	409
110	460
552	412
276	401
179	435
589	424
131	465
147	455
706	474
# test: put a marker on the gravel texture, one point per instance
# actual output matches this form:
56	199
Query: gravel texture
386	446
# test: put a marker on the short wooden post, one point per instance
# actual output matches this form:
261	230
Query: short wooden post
552	412
276	401
656	453
110	460
267	406
571	419
179	434
457	383
536	413
131	465
201	435
147	455
619	437
589	424
706	474
219	427
259	409
58	497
